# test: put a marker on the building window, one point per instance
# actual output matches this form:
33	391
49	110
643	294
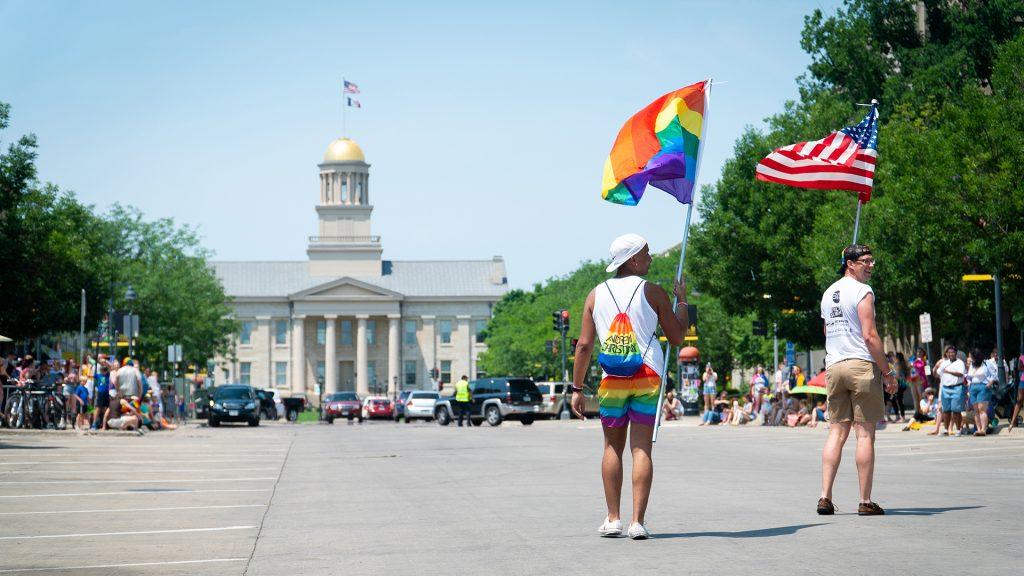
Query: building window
371	332
371	373
346	332
446	371
245	336
281	332
410	333
280	373
321	332
446	332
245	373
481	325
410	373
321	371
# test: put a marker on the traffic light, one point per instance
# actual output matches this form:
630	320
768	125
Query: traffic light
556	320
760	328
565	321
549	346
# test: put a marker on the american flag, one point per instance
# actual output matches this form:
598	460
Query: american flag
350	87
843	160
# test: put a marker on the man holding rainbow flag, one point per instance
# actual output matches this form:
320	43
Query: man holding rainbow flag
658	146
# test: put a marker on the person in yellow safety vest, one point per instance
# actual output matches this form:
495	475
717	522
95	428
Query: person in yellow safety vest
464	400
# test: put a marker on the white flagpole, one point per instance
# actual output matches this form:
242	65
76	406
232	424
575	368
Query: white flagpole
682	250
856	221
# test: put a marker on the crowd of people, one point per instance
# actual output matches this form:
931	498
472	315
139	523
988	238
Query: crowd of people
953	396
101	393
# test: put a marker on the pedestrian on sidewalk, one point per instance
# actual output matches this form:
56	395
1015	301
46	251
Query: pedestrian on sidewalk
952	396
623	314
710	388
464	401
854	361
980	391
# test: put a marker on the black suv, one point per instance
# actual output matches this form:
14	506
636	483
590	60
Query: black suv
234	403
494	400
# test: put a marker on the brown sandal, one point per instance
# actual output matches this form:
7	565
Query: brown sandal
826	507
870	509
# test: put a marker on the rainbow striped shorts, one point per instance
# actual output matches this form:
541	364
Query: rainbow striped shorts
629	399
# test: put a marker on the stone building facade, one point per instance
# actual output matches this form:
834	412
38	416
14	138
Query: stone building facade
348	318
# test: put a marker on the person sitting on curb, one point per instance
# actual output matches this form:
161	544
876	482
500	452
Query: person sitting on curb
129	419
672	407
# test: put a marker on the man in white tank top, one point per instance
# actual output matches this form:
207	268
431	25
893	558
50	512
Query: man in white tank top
854	363
628	403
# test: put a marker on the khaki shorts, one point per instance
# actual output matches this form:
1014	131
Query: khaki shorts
854	391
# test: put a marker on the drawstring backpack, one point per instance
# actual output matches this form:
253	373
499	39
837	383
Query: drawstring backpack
620	352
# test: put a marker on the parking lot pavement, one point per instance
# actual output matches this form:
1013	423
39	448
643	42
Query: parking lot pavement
376	497
183	502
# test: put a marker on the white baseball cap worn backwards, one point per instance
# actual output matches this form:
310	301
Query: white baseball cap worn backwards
623	248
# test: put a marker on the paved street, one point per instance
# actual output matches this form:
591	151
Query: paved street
365	499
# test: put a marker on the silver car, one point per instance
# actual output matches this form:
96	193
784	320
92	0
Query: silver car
553	404
420	404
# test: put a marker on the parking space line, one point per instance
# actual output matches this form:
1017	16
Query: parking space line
157	481
105	510
132	565
175	470
101	462
149	493
139	532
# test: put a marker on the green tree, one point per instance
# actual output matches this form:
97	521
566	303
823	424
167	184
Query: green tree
180	299
946	198
48	241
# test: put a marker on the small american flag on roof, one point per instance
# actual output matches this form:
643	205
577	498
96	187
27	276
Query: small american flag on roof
843	160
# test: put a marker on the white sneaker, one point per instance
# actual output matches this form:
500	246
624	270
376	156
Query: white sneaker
610	528
638	531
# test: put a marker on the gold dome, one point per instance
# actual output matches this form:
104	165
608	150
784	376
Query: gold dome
344	150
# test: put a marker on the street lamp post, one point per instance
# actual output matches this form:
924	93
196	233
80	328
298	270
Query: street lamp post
1001	370
320	389
130	297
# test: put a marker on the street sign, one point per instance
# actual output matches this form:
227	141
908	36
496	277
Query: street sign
926	327
790	354
174	353
130	325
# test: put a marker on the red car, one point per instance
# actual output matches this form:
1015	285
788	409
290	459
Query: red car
342	405
378	407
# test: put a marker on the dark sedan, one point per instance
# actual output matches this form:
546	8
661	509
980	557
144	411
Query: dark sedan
234	403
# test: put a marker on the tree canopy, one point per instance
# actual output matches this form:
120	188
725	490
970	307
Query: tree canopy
53	246
947	197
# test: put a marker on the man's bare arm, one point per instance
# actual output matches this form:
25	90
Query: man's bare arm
673	322
866	313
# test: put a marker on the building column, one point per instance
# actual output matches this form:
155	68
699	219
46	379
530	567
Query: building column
429	346
261	323
298	355
362	378
465	326
331	355
394	346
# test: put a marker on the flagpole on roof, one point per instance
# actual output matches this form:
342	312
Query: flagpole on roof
682	250
344	106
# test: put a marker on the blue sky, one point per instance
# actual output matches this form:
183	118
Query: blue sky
486	124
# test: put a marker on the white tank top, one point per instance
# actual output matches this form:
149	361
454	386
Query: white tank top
641	315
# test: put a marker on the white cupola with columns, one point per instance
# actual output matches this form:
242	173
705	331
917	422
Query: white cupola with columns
344	245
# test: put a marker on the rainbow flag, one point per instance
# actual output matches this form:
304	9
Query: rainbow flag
657	146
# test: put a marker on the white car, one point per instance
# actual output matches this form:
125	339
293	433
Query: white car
420	404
